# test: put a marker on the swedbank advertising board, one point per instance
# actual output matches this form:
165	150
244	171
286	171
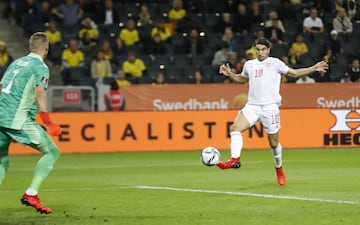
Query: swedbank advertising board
336	124
234	96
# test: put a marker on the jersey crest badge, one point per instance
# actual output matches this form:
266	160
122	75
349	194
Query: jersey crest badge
44	80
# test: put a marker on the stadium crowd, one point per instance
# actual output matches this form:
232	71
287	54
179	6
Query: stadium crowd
186	40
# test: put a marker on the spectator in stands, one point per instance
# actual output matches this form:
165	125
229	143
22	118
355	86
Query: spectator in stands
256	12
130	35
9	11
89	26
86	43
342	23
221	56
114	100
55	46
354	70
242	20
159	78
273	32
351	10
313	23
100	67
198	76
53	34
35	20
107	14
69	13
335	44
329	57
121	79
240	64
229	6
155	46
224	23
345	78
285	59
144	16
274	21
134	67
105	47
195	6
119	49
177	12
286	13
162	31
5	58
228	36
23	8
44	13
232	60
71	57
305	80
250	52
193	44
297	50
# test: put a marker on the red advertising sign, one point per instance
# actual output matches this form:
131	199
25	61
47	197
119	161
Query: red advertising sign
72	96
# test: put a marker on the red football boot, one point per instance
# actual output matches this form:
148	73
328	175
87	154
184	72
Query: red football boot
34	201
281	178
233	163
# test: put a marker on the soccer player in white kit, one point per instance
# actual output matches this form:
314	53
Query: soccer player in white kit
263	75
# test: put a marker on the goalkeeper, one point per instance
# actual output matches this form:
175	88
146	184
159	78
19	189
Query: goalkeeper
23	95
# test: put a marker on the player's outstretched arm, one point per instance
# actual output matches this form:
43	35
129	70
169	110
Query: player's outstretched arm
226	70
321	66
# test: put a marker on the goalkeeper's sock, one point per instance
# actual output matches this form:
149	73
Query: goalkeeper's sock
236	144
31	192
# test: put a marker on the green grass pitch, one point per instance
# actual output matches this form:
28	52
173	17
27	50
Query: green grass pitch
168	188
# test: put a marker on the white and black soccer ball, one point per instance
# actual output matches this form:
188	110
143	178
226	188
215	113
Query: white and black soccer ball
210	156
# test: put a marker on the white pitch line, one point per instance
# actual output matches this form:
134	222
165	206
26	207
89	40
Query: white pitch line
248	194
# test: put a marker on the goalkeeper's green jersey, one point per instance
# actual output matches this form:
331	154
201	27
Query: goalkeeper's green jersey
17	97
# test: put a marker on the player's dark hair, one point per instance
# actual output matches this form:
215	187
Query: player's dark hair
263	41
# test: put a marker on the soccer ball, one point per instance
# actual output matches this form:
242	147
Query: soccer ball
210	156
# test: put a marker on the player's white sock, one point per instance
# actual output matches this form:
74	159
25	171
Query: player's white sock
236	144
277	153
31	191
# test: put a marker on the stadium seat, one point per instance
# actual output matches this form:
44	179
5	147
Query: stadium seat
131	9
336	72
200	60
177	71
180	60
210	20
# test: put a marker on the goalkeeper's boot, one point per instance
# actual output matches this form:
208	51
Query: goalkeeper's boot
233	163
281	178
34	202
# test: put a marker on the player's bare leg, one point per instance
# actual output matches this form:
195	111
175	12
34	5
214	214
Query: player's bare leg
240	124
277	154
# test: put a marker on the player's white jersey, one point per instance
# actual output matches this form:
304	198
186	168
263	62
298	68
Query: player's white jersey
264	80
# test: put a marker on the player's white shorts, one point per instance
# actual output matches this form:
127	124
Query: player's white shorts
269	115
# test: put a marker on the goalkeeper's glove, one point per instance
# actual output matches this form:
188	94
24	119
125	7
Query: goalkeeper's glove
51	127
